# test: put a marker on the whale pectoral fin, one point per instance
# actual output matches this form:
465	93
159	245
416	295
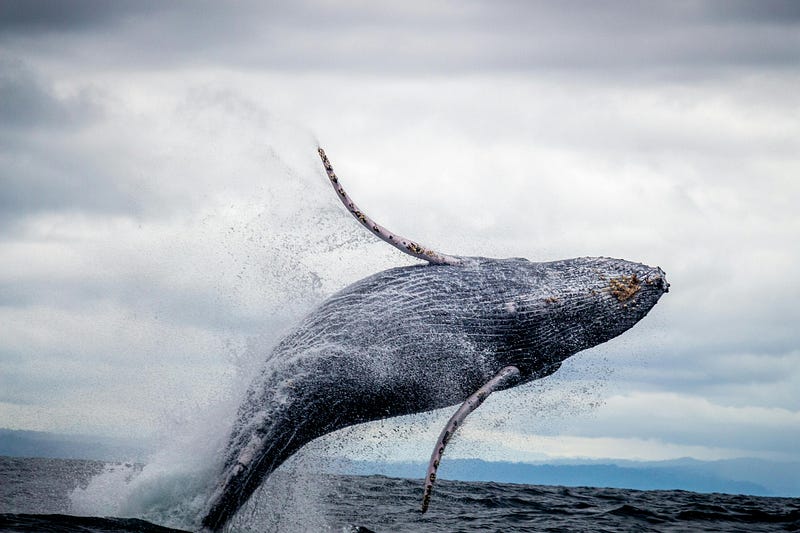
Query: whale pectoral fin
403	244
507	374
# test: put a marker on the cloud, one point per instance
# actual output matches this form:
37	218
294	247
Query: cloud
44	164
690	38
27	101
693	420
19	16
162	204
502	445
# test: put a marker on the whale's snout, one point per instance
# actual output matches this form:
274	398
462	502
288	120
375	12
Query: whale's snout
654	279
661	280
631	283
623	292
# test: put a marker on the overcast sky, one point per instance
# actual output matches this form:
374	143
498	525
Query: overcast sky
164	216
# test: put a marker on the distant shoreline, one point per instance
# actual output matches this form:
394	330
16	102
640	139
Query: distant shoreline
756	477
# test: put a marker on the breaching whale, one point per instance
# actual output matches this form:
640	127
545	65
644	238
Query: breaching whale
417	338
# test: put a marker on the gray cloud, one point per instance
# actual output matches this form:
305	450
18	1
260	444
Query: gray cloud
42	167
34	181
26	101
664	40
156	209
704	424
18	16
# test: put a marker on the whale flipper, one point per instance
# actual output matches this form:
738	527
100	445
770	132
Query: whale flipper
500	380
403	244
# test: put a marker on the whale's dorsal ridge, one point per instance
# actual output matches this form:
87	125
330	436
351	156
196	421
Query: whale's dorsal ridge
411	247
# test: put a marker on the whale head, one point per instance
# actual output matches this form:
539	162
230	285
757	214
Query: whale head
549	311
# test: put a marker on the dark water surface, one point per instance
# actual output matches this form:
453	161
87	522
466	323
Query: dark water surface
34	496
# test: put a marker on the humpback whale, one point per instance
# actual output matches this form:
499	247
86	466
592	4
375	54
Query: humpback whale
423	337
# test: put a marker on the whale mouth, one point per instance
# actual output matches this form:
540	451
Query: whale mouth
660	280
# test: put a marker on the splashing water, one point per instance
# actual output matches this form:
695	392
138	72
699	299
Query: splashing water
267	260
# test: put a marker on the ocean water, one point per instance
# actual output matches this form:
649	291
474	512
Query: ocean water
36	495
